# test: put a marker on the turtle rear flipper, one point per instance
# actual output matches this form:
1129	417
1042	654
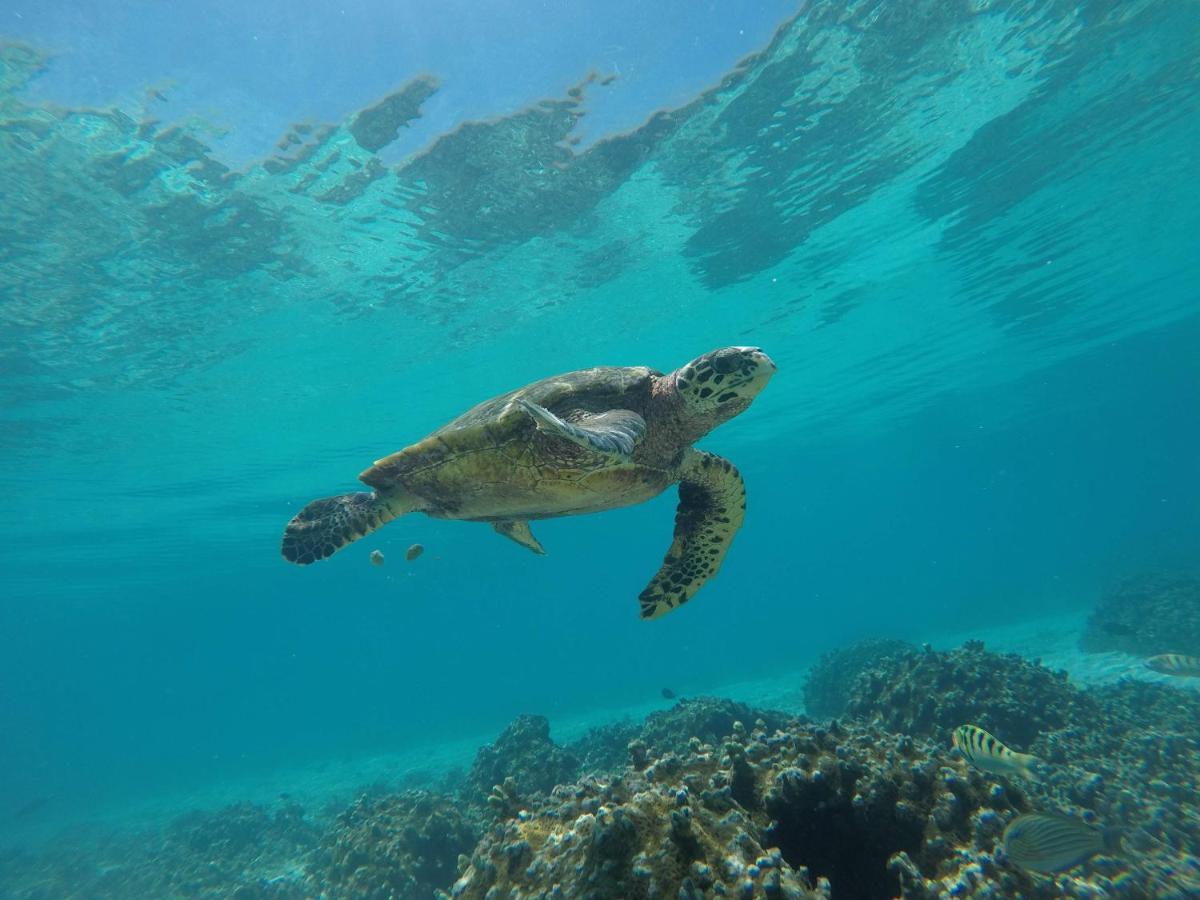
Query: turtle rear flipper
326	525
519	531
614	433
712	504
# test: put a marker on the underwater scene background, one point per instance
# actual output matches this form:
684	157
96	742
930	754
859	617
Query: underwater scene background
966	233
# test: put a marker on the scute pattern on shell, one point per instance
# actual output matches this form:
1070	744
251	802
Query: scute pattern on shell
492	463
498	421
596	390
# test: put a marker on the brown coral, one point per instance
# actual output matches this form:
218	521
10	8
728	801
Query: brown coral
798	811
396	847
933	692
524	752
1145	615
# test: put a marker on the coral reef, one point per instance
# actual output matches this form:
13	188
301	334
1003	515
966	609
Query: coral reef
1135	765
932	692
608	748
708	718
712	798
505	800
243	842
604	748
827	686
802	811
1146	615
241	851
1123	755
624	840
525	753
403	846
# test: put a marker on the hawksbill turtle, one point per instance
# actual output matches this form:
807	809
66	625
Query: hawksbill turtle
581	442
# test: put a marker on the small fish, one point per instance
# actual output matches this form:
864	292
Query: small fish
1175	664
1052	842
668	694
30	807
377	557
413	552
1118	628
984	752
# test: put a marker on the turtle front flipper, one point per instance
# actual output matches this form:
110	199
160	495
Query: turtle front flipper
326	525
614	433
712	504
520	532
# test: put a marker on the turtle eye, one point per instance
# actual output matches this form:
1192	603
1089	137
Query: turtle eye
726	363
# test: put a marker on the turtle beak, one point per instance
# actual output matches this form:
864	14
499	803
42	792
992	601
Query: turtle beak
762	361
763	367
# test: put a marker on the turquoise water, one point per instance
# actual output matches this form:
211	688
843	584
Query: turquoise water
966	233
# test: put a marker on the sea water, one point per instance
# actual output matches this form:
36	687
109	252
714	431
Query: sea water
966	233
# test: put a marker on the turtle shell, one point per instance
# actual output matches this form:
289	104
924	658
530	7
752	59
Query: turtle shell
492	462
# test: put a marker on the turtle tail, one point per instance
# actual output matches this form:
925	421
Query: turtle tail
329	524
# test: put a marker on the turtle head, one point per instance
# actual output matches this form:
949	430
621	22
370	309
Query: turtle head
719	385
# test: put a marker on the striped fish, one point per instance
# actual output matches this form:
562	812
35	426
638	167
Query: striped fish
1052	842
985	752
1175	664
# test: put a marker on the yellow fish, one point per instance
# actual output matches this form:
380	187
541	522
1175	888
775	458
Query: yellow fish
985	752
1175	664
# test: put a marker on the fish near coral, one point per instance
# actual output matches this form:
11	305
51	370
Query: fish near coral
1051	842
376	557
985	752
1176	664
413	552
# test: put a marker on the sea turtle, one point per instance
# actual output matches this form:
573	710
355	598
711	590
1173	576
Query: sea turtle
577	443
